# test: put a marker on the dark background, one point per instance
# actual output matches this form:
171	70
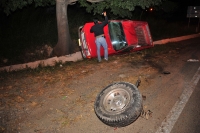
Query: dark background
30	28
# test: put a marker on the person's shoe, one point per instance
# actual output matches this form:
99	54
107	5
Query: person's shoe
98	61
105	59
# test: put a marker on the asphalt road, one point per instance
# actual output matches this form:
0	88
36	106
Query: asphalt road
189	120
184	116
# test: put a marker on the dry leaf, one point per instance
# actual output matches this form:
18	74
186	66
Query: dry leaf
34	103
19	99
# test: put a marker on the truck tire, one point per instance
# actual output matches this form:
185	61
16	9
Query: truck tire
119	104
82	53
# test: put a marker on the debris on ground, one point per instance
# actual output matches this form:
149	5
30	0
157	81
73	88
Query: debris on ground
193	60
146	114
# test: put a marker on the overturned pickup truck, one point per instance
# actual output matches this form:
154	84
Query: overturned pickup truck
121	36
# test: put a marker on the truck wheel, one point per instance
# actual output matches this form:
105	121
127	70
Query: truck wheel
119	104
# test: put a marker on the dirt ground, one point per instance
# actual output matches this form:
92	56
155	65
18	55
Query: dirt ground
61	99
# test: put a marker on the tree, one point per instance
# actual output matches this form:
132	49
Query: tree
64	45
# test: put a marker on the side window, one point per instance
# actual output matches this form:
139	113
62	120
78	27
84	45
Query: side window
117	36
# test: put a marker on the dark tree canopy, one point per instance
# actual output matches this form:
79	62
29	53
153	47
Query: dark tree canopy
121	8
12	5
117	7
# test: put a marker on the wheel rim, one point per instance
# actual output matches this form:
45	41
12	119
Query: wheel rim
116	100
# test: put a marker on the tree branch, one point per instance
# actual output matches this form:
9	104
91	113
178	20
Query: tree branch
93	1
71	2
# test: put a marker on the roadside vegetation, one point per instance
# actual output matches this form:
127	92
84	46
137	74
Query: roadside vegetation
26	33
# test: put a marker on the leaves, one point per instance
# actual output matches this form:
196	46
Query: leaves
12	5
118	7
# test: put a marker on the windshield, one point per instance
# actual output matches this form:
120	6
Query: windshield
117	36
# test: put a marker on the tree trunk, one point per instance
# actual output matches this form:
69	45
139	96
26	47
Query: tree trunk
64	44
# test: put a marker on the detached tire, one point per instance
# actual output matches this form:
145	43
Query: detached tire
119	104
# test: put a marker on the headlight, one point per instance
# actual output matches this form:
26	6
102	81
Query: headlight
79	42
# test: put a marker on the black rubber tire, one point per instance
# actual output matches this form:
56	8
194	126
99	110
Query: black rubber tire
83	55
119	104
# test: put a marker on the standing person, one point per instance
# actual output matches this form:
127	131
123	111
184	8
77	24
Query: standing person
100	40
